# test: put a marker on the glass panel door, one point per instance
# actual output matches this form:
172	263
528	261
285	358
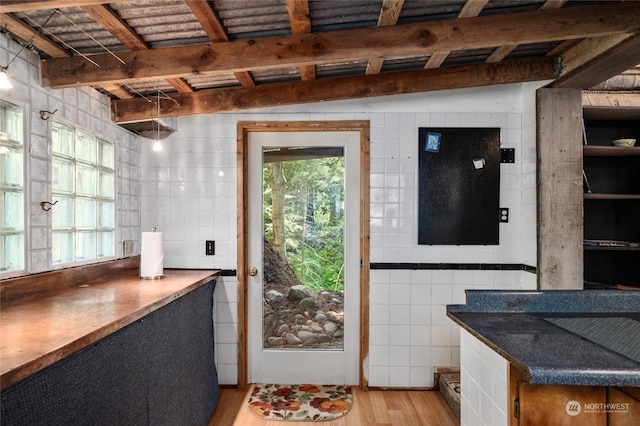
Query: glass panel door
303	240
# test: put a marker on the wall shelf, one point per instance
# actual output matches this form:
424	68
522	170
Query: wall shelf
612	210
610	151
594	196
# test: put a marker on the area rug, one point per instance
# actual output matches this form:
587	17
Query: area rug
300	402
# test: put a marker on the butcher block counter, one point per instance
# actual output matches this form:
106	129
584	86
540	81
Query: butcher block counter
45	328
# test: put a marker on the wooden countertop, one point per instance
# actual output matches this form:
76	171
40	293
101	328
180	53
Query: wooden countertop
38	331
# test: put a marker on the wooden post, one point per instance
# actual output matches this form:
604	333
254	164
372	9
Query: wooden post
559	182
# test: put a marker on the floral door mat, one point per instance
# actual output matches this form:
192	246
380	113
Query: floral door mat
300	402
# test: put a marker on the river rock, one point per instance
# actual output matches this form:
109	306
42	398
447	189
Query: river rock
323	338
274	295
284	328
292	339
330	328
275	341
308	302
298	292
305	335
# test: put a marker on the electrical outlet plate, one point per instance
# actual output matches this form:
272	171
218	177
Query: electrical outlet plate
127	249
210	248
504	214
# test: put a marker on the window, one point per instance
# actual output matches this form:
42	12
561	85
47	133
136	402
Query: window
11	188
83	218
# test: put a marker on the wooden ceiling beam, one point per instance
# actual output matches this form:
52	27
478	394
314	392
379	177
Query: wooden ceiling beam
215	30
111	22
588	50
117	91
503	51
389	15
330	89
25	32
599	63
301	24
470	9
346	45
10	6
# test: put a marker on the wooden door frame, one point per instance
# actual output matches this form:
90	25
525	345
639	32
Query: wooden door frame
243	130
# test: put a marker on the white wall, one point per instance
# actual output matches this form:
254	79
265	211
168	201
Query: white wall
189	192
86	109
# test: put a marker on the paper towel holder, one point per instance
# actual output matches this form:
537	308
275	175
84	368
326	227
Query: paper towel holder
161	272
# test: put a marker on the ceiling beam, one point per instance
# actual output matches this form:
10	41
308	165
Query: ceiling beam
301	24
588	50
353	87
209	21
389	15
346	45
117	91
503	51
110	21
470	9
25	32
606	64
9	6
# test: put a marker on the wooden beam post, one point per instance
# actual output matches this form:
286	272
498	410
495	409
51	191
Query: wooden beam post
560	200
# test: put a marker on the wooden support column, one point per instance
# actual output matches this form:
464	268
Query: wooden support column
560	202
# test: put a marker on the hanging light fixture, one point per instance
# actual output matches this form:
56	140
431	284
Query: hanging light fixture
5	83
157	146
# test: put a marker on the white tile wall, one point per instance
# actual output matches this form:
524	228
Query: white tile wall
83	108
483	384
189	192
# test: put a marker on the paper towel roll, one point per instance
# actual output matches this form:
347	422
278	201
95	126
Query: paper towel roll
151	255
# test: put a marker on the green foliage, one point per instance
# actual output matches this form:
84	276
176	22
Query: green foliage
314	220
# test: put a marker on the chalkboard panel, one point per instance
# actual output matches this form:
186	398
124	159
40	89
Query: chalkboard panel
459	186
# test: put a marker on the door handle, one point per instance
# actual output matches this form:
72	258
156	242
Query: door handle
253	271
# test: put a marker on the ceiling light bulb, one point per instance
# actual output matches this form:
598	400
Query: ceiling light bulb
5	83
157	146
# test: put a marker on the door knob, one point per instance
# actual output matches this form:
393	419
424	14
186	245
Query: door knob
253	271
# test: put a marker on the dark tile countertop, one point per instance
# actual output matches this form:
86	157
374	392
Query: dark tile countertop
531	330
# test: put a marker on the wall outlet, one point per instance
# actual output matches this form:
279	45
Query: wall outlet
127	249
210	248
504	214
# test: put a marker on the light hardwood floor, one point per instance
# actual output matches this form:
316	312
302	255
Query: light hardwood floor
371	408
